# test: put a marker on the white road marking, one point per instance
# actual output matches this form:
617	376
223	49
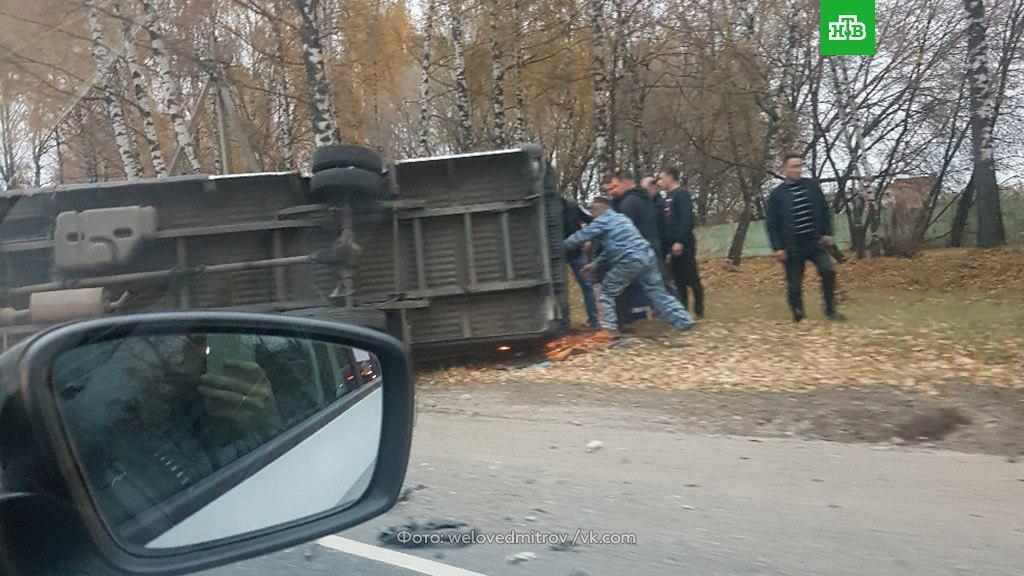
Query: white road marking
399	559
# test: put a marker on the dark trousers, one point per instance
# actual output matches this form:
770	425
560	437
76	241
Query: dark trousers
629	303
686	275
796	261
586	288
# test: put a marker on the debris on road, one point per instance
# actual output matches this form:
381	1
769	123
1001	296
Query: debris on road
594	445
580	343
408	492
521	557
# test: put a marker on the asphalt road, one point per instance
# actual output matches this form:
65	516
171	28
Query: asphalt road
695	503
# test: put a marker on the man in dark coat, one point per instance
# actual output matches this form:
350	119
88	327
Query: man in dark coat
799	225
654	193
632	201
680	241
650	186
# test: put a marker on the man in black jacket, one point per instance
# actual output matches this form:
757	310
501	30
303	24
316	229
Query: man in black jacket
631	200
680	241
799	225
650	186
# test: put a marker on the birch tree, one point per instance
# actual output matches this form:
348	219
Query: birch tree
10	165
321	102
425	62
982	109
106	71
605	156
283	134
164	86
464	130
519	124
498	137
140	93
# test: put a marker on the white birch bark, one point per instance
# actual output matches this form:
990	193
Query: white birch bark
321	102
498	137
601	95
106	72
425	63
163	85
991	231
140	93
464	132
519	124
283	132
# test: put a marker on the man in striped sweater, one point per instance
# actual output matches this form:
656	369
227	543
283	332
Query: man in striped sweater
799	224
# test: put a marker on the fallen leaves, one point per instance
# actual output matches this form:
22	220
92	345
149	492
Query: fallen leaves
894	339
759	354
577	343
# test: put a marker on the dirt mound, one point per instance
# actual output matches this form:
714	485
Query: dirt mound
931	424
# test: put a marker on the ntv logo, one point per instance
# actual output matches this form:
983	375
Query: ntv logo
847	27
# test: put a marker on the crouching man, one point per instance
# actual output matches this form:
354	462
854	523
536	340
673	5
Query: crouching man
628	258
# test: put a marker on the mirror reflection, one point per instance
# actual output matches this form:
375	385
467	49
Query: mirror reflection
168	430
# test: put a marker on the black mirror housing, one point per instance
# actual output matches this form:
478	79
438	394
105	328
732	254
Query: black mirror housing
40	469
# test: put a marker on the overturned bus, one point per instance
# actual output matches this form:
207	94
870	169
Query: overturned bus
445	253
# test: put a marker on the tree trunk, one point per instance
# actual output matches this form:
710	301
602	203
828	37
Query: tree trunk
859	238
140	94
636	118
601	94
90	163
283	133
221	161
519	127
106	71
321	102
615	64
428	33
463	134
8	155
164	86
982	105
963	210
58	148
498	137
739	238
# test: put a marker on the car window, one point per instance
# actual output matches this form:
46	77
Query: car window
154	415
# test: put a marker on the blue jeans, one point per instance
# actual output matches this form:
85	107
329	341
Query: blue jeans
645	272
586	288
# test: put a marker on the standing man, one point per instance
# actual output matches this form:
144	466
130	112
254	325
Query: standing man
650	186
680	241
573	218
799	224
631	201
629	258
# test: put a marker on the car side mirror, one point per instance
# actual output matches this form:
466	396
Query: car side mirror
161	444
